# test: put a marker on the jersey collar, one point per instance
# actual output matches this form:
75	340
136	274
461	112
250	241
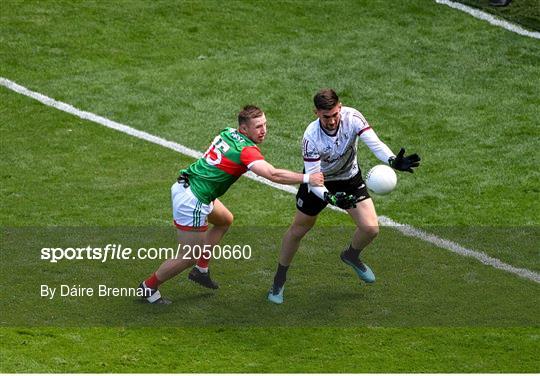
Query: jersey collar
326	132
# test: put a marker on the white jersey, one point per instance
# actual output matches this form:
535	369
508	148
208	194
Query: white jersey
335	155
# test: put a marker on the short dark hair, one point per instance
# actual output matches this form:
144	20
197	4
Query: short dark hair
325	99
249	112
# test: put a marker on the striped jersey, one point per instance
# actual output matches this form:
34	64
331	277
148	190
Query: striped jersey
229	156
335	155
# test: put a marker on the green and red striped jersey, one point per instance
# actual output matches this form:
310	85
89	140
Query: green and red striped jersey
228	157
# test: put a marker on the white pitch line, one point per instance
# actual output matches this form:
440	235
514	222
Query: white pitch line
476	13
385	221
460	250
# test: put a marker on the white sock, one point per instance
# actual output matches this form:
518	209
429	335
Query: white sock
202	270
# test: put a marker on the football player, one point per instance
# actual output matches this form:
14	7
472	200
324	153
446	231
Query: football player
329	146
195	195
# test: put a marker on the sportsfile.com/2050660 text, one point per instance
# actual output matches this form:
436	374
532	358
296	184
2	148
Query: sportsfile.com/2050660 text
118	252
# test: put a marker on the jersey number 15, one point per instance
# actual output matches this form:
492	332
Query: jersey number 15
215	151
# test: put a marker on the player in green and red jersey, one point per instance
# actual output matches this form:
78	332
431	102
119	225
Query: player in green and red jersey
195	200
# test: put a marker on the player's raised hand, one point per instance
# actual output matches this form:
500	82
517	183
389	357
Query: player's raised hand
316	179
404	163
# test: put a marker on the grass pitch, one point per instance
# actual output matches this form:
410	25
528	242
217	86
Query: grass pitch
523	12
425	76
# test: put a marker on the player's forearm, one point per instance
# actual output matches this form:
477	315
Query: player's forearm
277	175
286	177
312	167
377	147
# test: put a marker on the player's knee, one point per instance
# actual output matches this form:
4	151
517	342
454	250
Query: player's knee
371	231
299	231
225	221
229	219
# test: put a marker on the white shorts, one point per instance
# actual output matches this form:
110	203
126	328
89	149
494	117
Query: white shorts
189	213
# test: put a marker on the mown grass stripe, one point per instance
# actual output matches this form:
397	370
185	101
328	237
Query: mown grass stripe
476	13
385	221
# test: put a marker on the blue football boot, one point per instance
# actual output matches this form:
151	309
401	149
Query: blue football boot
362	270
275	295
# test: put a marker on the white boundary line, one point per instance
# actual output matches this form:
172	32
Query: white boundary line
460	250
385	221
476	13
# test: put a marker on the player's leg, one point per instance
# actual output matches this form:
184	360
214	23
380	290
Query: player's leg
301	225
221	219
172	267
367	224
367	228
308	206
190	218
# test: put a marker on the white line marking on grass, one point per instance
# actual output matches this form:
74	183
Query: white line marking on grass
385	221
98	119
476	13
456	248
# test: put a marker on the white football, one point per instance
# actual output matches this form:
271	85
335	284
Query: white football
381	179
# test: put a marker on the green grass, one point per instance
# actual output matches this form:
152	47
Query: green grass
448	291
141	65
427	77
523	12
325	350
104	191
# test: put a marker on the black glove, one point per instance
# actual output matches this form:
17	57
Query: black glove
183	179
341	200
402	163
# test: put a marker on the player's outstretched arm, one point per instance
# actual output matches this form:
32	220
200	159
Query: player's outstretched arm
277	175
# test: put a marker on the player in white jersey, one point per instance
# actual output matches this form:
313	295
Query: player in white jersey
329	146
